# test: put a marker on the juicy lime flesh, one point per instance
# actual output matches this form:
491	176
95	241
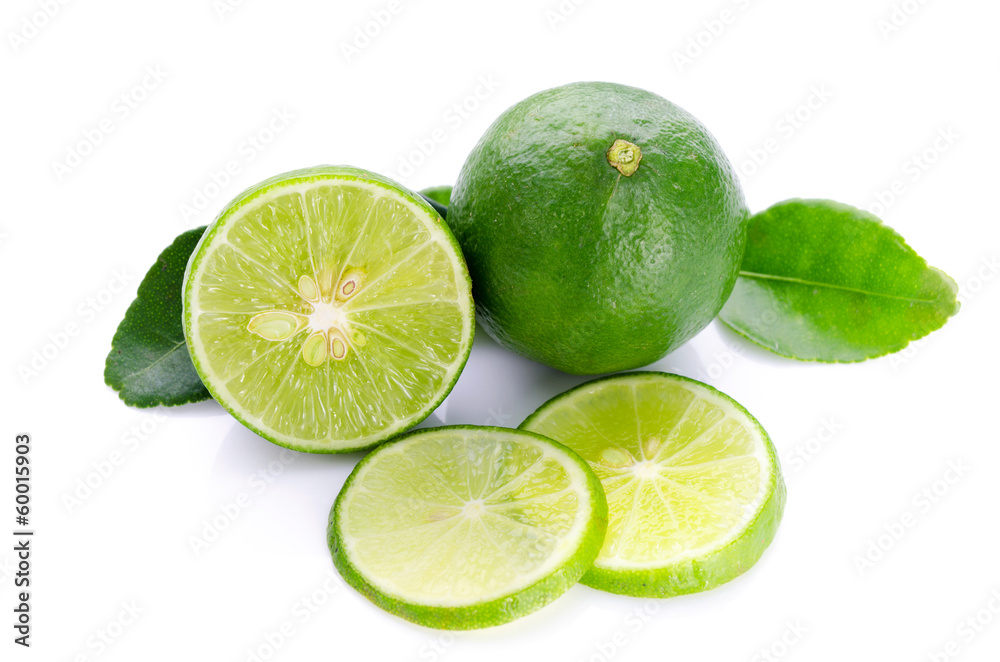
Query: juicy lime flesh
458	519
684	470
328	314
467	527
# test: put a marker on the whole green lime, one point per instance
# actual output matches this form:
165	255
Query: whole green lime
603	227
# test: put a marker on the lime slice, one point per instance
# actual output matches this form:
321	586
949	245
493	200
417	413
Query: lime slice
328	309
467	527
692	481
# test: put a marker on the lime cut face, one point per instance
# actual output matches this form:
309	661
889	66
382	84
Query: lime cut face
692	481
328	309
467	527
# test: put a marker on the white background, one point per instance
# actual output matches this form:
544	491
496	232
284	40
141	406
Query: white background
879	98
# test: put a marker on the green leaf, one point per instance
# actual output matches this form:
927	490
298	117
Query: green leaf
824	281
438	197
149	364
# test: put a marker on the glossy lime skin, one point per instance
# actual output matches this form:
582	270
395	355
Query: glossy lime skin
580	267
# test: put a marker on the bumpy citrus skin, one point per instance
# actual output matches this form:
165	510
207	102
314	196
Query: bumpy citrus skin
578	266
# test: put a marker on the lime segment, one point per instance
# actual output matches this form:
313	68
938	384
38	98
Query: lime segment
465	527
693	485
328	309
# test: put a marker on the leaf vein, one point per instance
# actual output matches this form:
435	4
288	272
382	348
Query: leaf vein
844	288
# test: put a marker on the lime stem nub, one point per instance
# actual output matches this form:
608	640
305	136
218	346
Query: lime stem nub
624	156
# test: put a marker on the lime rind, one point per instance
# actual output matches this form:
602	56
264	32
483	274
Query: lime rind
580	265
304	179
709	566
579	548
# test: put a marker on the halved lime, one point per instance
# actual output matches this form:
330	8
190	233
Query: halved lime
692	481
328	309
467	527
